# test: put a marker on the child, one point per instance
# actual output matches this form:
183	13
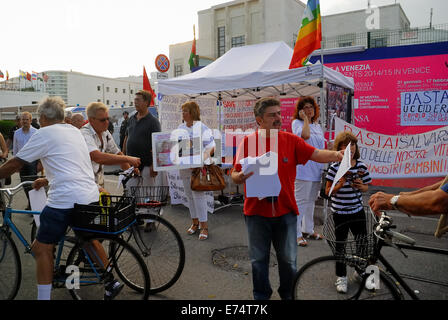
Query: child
346	201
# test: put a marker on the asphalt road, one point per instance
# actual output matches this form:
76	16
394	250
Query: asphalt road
219	268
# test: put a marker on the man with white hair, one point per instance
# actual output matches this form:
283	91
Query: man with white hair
64	155
102	147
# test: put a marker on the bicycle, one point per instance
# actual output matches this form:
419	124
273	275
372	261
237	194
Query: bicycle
367	280
82	274
162	247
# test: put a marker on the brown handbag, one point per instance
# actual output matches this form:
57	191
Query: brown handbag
208	178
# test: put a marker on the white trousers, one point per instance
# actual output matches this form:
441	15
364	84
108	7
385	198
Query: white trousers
197	201
306	193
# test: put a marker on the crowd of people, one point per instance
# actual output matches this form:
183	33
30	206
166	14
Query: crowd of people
73	151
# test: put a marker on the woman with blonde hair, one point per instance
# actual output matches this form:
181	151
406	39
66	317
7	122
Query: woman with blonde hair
197	202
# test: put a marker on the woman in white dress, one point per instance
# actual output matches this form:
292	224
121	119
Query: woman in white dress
308	177
197	201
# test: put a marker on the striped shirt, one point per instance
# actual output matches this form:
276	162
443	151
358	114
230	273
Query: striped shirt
348	199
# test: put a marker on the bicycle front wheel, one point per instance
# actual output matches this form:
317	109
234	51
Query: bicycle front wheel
162	250
316	281
10	267
124	265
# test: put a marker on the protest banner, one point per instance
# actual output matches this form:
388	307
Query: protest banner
411	156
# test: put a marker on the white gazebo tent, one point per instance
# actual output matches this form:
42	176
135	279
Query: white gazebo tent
246	73
252	72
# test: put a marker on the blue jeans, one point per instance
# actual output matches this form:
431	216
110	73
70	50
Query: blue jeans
281	232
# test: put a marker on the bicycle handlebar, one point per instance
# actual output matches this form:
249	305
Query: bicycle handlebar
383	229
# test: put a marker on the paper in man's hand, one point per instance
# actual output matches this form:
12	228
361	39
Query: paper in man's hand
343	167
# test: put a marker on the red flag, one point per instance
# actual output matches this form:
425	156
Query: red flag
28	76
147	87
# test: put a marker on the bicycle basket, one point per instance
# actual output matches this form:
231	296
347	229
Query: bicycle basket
150	196
112	217
353	249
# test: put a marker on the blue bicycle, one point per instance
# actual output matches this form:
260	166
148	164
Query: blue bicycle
82	273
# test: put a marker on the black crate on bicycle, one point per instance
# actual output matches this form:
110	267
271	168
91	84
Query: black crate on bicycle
353	241
150	196
111	215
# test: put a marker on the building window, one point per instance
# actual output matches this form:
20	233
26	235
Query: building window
107	102
116	90
107	89
124	103
99	100
178	70
124	90
131	103
378	43
345	44
132	91
221	41
98	88
238	41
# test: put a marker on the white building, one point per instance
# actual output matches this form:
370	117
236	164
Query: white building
244	22
238	23
77	88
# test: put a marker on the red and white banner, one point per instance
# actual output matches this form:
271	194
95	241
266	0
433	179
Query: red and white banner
401	156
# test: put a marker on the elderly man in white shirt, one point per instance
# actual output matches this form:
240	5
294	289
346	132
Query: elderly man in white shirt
64	156
102	147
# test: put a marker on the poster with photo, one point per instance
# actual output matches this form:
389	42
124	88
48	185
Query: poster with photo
176	150
337	104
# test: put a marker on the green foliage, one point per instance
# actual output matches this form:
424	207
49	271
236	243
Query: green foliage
5	127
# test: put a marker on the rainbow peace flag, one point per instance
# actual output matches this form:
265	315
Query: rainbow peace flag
310	35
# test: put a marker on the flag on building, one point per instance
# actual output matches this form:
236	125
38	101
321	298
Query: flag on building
1	74
28	76
22	74
310	35
147	87
193	61
34	75
7	75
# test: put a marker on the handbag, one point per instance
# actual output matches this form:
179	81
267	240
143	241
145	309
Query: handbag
208	178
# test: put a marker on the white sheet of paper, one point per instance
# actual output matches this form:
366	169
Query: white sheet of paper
38	198
343	167
259	184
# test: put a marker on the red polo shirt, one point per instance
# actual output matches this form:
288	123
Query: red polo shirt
292	150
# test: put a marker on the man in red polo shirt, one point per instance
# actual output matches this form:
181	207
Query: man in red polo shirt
274	219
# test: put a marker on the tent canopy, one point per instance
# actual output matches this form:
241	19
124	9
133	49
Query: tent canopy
253	71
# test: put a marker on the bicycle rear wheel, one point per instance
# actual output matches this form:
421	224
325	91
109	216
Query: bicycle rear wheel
162	250
126	265
316	281
10	267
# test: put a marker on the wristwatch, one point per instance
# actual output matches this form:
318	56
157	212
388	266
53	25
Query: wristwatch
393	201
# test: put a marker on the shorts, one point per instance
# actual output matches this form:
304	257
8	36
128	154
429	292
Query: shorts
53	224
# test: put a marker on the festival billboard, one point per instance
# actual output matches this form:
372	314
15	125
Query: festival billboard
405	95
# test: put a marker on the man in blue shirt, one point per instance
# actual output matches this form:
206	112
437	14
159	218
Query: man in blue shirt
21	137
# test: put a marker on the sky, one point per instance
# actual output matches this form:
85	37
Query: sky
116	38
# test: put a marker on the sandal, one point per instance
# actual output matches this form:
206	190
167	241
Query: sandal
315	236
203	235
193	228
302	242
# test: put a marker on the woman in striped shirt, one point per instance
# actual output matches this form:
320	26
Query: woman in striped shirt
346	200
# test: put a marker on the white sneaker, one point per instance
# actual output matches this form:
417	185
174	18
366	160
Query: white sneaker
341	284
